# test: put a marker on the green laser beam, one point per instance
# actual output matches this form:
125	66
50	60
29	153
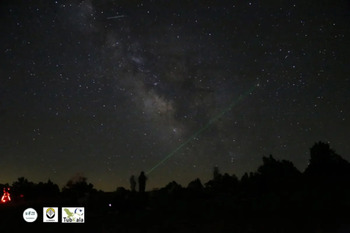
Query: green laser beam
201	130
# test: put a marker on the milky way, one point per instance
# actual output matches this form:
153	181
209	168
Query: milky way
107	89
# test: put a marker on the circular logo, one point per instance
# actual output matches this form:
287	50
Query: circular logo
30	215
79	211
50	213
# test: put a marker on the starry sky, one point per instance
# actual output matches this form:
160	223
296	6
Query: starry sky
106	89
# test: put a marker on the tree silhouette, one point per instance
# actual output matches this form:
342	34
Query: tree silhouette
222	183
25	188
172	188
195	185
77	188
278	174
48	189
326	179
325	163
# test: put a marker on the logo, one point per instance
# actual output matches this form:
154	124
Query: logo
73	214
50	214
30	215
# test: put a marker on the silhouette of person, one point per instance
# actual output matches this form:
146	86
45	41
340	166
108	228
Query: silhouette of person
142	182
132	183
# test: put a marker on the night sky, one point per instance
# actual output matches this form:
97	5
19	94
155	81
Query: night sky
106	89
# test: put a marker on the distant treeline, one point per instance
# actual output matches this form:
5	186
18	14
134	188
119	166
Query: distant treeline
275	198
276	184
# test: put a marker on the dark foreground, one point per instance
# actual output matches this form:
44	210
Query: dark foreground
183	212
276	199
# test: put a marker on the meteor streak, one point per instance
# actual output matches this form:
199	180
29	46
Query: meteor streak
116	17
201	130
